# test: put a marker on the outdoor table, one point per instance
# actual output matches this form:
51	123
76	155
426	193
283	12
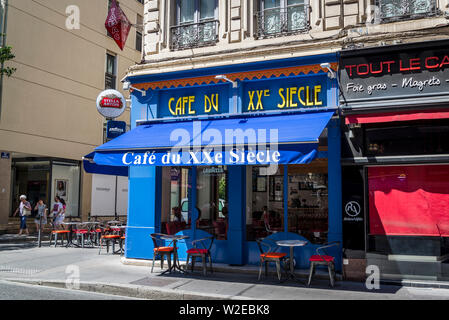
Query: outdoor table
70	238
291	244
175	238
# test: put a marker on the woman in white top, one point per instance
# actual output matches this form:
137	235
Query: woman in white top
23	208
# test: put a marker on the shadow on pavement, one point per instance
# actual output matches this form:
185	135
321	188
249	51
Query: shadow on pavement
272	281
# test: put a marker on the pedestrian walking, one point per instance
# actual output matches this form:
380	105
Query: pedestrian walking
24	210
57	209
41	218
61	215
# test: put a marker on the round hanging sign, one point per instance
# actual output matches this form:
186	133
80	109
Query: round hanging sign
111	103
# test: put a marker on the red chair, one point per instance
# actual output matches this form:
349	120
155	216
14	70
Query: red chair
323	258
109	238
55	234
79	233
171	228
202	253
270	255
220	229
161	250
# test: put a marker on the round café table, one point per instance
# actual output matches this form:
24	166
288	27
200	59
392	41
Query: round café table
292	244
70	237
175	238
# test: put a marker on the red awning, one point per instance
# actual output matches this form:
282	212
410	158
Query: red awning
397	116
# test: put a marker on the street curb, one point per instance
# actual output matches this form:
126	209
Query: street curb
416	284
133	291
223	269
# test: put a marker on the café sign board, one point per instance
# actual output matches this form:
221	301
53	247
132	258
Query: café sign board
394	72
111	103
285	94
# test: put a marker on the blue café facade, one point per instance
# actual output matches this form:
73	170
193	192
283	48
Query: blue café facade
242	151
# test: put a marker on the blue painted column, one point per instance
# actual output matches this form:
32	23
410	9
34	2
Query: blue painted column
285	194
237	212
143	211
192	200
334	188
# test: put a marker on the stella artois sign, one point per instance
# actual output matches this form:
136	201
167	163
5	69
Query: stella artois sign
111	104
117	24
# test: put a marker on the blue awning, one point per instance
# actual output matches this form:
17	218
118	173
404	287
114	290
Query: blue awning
91	167
237	140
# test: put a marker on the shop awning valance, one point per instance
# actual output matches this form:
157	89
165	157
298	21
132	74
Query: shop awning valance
91	167
234	140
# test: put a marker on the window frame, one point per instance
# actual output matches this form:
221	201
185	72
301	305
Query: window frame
113	75
176	29
139	44
283	7
410	16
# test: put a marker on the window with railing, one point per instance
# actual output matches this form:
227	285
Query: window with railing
196	24
282	17
390	10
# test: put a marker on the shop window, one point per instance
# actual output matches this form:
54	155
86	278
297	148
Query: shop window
30	178
282	17
66	185
265	206
408	138
392	10
176	214
212	200
307	201
196	24
409	200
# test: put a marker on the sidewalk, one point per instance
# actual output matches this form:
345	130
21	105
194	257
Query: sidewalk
105	273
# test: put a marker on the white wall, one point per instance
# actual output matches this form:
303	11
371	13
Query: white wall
105	188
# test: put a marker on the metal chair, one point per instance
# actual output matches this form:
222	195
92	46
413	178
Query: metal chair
54	233
203	252
323	258
270	255
161	250
108	238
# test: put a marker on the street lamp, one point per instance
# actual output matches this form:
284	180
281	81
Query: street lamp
223	77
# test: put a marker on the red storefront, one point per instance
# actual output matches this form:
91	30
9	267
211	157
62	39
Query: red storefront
395	158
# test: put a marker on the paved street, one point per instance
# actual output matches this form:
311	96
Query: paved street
25	263
17	291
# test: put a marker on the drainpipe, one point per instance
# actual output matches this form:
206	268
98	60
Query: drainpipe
4	8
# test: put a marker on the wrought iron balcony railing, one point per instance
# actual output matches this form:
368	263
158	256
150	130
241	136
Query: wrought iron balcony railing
194	35
391	10
276	22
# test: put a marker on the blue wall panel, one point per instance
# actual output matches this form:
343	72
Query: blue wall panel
143	217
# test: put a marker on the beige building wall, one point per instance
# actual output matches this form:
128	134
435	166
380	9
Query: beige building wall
333	25
48	105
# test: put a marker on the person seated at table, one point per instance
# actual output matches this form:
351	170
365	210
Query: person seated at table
177	216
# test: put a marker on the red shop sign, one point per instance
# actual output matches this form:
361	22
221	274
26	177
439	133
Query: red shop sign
118	24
